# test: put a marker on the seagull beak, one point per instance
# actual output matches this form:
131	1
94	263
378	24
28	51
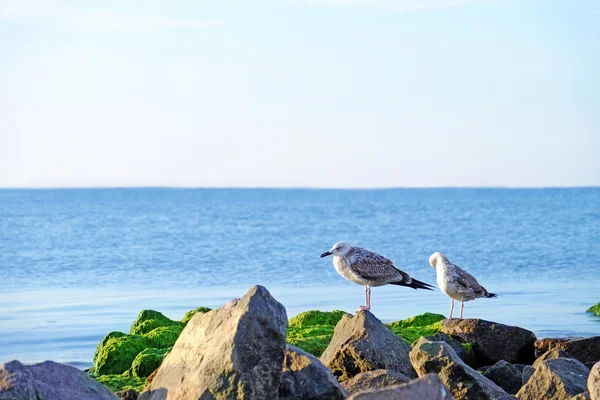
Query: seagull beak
327	253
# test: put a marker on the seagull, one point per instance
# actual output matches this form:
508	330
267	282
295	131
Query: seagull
367	268
456	283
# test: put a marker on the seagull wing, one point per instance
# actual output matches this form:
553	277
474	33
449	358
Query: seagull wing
468	284
374	267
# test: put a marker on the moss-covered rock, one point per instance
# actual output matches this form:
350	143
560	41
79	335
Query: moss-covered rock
312	330
146	362
163	337
595	309
149	320
104	341
121	382
117	354
420	325
188	315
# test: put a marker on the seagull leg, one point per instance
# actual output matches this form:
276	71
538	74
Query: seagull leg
367	299
462	304
451	308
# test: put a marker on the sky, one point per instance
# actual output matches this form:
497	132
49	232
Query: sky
300	93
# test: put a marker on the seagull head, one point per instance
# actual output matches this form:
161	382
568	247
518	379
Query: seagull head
437	258
338	249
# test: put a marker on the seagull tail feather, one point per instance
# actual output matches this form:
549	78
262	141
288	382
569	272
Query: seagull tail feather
415	284
490	295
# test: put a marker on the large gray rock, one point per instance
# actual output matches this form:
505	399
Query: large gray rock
555	379
374	380
505	375
585	350
527	373
468	358
593	382
17	383
492	341
463	381
429	387
550	355
235	352
49	381
305	377
362	343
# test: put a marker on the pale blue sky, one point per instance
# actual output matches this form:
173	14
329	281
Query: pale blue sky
319	93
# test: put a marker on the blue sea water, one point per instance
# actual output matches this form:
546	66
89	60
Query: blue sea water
76	264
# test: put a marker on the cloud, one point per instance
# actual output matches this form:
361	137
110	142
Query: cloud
52	12
393	5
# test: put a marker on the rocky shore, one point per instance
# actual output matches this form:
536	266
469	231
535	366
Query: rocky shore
249	349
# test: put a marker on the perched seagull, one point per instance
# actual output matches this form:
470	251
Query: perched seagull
456	283
366	268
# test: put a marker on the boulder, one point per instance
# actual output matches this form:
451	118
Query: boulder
550	355
236	352
149	320
17	383
374	380
505	375
429	387
129	394
147	362
527	373
463	381
362	343
492	341
188	315
49	381
593	382
555	379
460	348
305	377
585	350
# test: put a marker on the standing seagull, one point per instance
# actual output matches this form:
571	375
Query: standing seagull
366	268
456	283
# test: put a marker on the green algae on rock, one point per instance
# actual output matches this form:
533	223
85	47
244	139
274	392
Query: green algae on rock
116	355
149	320
163	336
312	330
146	362
413	328
595	309
120	382
188	315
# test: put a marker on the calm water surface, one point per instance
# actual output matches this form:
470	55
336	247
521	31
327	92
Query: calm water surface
76	264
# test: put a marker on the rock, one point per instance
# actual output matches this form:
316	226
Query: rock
555	379
129	394
305	377
527	373
463	381
235	352
429	387
118	383
374	380
49	381
505	375
593	382
312	330
549	355
595	309
362	343
492	341
584	350
17	383
467	356
413	328
163	337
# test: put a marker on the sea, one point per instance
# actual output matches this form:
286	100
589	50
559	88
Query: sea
76	264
